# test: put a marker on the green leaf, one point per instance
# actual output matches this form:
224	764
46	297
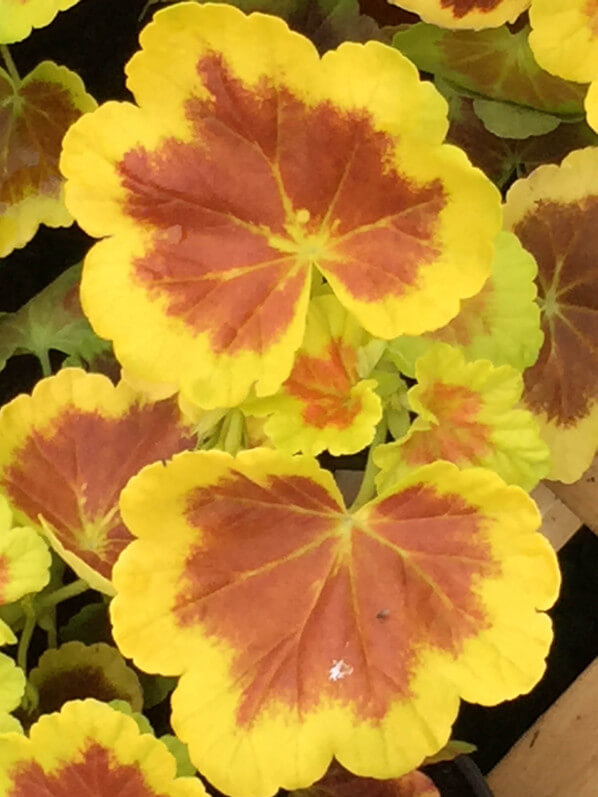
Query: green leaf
142	722
184	767
91	624
506	120
329	23
501	323
53	319
450	751
10	724
398	421
393	392
12	613
156	688
502	158
496	63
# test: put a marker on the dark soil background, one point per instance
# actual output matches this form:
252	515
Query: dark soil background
96	38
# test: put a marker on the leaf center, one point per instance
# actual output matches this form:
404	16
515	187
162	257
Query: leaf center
549	303
308	244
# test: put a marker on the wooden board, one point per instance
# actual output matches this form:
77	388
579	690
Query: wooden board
559	523
558	756
582	498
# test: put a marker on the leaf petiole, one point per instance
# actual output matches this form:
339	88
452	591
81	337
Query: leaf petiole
62	594
231	432
52	631
26	633
367	489
44	359
11	67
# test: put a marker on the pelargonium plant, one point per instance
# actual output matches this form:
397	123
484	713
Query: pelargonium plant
307	249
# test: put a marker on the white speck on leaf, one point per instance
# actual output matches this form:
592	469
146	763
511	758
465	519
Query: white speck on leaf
339	670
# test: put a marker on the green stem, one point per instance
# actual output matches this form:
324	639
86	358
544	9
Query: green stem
30	699
209	442
52	632
367	489
11	67
230	438
63	593
26	633
146	7
234	435
44	359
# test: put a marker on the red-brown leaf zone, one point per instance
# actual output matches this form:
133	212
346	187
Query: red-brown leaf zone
96	773
73	474
563	238
324	385
316	606
591	11
458	436
77	683
471	320
339	783
31	139
501	66
258	156
71	302
462	7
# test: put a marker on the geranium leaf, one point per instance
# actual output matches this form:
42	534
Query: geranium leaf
329	23
90	748
337	782
10	724
75	671
155	688
340	636
7	635
501	158
14	614
66	452
554	212
467	414
243	168
24	563
34	116
393	391
24	559
496	63
184	767
471	14
324	404
89	625
591	105
51	320
19	17
398	421
500	324
552	147
141	720
564	38
513	121
12	684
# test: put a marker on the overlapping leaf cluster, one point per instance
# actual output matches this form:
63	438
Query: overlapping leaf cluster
304	252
